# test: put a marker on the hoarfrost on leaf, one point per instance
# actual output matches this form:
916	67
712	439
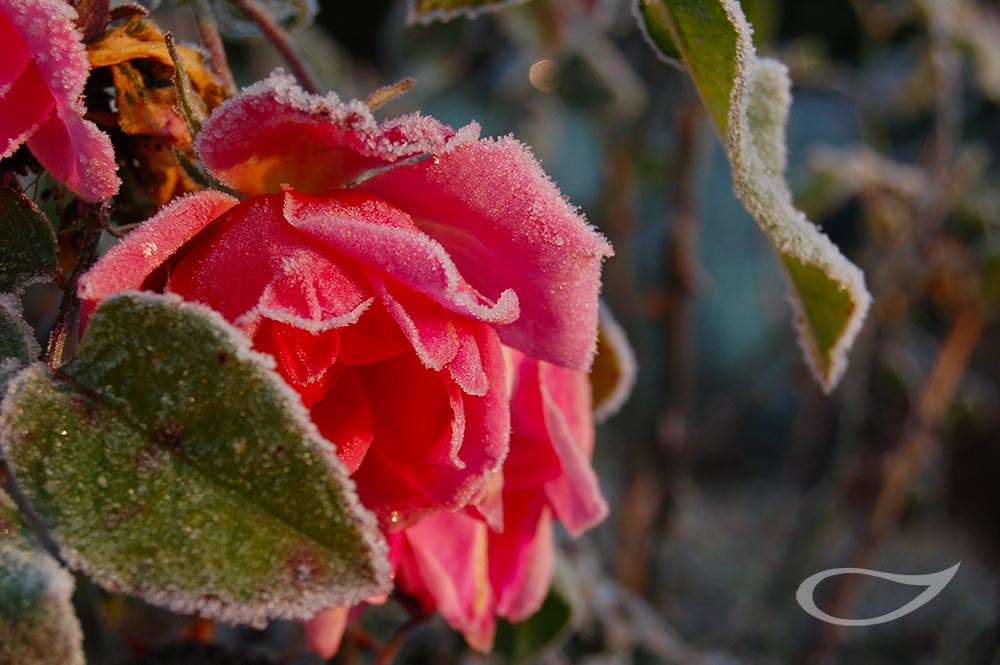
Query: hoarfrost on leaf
197	480
748	99
37	622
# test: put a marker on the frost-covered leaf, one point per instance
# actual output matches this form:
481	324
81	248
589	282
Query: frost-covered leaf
18	347
613	373
426	11
168	462
37	622
748	99
27	239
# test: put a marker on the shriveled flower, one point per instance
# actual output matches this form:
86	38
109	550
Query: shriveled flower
42	76
382	265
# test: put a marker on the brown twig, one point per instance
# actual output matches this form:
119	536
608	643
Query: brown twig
904	464
277	35
393	645
212	41
55	352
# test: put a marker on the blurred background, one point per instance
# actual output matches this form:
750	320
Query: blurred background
731	477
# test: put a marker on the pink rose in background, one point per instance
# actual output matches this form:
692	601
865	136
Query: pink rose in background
499	563
42	74
382	265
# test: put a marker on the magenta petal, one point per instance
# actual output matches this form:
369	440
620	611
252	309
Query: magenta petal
506	226
384	239
325	631
522	560
450	557
128	264
309	142
576	495
23	109
48	28
16	54
77	154
424	322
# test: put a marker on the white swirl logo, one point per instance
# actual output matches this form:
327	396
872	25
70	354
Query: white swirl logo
934	582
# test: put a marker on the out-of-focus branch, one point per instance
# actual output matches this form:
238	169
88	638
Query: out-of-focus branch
212	41
277	36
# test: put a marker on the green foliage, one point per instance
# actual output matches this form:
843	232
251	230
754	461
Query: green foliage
541	630
748	99
37	623
29	244
168	462
17	343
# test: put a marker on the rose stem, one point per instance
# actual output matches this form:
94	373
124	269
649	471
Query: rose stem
67	306
274	32
212	41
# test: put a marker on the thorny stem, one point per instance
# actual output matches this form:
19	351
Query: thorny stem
277	35
212	42
54	354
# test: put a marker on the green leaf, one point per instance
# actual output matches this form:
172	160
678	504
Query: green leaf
168	461
427	11
18	347
37	622
29	244
542	630
748	99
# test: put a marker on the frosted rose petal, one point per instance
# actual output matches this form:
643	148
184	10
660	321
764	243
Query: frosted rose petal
522	560
23	108
506	226
127	265
575	496
77	154
383	238
309	142
449	555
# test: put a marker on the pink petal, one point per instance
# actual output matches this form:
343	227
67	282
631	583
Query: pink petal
16	54
309	142
533	460
434	446
325	631
419	422
303	359
449	555
383	238
575	496
128	264
375	337
48	28
424	322
506	226
77	154
522	558
252	264
23	109
344	417
71	148
466	367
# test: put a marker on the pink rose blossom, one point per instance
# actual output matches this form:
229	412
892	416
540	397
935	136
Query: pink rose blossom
382	265
42	74
499	563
